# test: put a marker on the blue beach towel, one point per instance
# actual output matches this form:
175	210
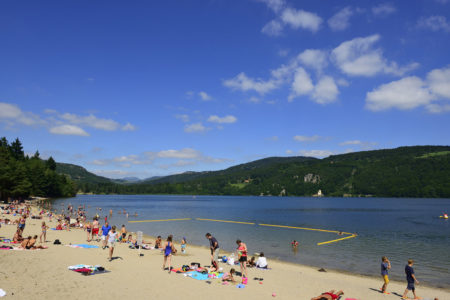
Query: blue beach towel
84	246
200	276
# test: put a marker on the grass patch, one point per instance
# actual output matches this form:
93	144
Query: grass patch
238	185
433	154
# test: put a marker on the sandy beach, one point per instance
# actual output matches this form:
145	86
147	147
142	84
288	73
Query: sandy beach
44	274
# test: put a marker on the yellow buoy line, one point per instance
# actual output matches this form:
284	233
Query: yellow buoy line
142	221
351	235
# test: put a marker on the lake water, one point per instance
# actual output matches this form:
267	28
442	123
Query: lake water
398	228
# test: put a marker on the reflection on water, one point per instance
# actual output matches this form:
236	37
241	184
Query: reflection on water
397	228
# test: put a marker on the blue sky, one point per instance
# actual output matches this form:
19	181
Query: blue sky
160	87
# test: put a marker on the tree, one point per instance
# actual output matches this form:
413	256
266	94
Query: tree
51	164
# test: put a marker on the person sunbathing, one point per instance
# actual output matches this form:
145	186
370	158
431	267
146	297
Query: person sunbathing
25	242
329	295
17	237
31	244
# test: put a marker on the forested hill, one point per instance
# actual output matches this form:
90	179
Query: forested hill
22	175
419	171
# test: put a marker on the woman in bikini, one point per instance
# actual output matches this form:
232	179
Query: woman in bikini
168	253
44	232
242	254
88	230
329	295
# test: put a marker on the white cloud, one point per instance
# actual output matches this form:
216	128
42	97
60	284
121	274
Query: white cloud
278	78
222	120
195	127
289	152
91	121
354	142
302	84
316	153
275	5
12	114
68	130
325	91
128	127
301	19
362	144
254	99
304	138
340	21
439	82
272	138
273	28
412	92
184	118
283	52
244	83
204	96
313	58
406	93
357	57
435	23
383	9
180	154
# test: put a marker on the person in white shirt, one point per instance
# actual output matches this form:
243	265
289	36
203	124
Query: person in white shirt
112	235
261	262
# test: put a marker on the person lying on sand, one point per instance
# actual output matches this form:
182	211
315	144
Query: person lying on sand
25	242
31	244
329	295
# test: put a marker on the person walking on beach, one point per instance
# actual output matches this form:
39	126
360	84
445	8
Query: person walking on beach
242	254
112	235
105	230
410	279
385	266
168	253
214	247
95	227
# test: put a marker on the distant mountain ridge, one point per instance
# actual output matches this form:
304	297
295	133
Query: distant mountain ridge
416	171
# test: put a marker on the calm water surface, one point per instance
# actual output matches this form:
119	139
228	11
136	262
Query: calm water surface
397	228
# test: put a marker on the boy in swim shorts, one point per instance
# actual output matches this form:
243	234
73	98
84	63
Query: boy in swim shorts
410	279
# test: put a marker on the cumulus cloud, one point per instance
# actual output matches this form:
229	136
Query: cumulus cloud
301	19
244	83
340	21
302	84
433	93
304	138
11	114
364	145
222	120
68	130
128	127
91	121
273	28
204	96
314	58
181	154
406	93
383	9
316	153
326	90
275	5
184	118
195	127
358	57
435	23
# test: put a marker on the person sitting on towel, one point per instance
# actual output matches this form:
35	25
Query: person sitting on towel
261	262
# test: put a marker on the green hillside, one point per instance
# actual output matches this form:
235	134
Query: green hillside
80	174
419	171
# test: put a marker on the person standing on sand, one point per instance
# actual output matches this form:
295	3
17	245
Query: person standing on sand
242	254
168	253
95	228
88	227
123	232
410	279
385	266
112	235
105	230
44	232
214	247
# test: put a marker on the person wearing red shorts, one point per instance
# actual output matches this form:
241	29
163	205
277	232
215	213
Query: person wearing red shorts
329	295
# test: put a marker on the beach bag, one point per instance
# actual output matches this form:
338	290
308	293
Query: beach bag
56	242
185	268
230	261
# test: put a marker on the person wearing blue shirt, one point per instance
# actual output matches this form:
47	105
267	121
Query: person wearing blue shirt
385	266
105	230
411	279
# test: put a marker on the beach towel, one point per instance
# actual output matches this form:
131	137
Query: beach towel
2	293
86	246
240	286
87	269
201	276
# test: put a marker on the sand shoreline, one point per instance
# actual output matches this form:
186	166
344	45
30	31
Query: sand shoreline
32	274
